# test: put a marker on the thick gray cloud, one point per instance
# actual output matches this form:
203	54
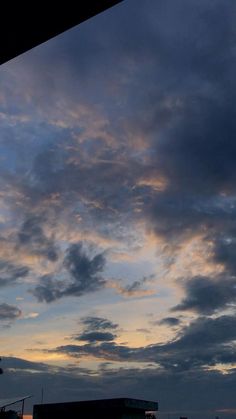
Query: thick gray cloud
82	275
206	295
187	110
9	312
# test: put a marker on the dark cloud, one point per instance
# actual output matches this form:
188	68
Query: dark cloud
22	364
198	152
180	215
82	275
96	336
190	117
98	323
49	289
196	148
169	321
105	350
207	295
84	269
225	250
9	312
11	273
96	329
204	342
32	237
205	392
206	331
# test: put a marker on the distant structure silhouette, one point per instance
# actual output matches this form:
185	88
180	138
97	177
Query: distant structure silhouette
120	408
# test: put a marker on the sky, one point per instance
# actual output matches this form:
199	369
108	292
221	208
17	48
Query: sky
118	210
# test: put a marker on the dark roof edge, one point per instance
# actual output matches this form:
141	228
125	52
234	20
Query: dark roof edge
30	24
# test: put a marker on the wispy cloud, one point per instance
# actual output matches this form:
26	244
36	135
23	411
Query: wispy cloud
9	312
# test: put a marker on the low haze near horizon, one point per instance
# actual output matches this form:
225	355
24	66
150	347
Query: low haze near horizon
118	210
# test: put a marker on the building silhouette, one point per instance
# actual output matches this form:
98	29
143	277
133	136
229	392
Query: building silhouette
121	408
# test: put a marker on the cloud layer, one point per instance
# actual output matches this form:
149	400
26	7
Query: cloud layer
118	180
204	343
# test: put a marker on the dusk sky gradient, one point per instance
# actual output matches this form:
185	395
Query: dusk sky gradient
118	210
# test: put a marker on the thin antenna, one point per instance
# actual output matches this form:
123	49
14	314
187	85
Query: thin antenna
23	408
42	394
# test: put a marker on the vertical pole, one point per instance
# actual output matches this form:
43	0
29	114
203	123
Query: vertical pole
22	410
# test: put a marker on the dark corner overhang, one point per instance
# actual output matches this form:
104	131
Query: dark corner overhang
27	24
